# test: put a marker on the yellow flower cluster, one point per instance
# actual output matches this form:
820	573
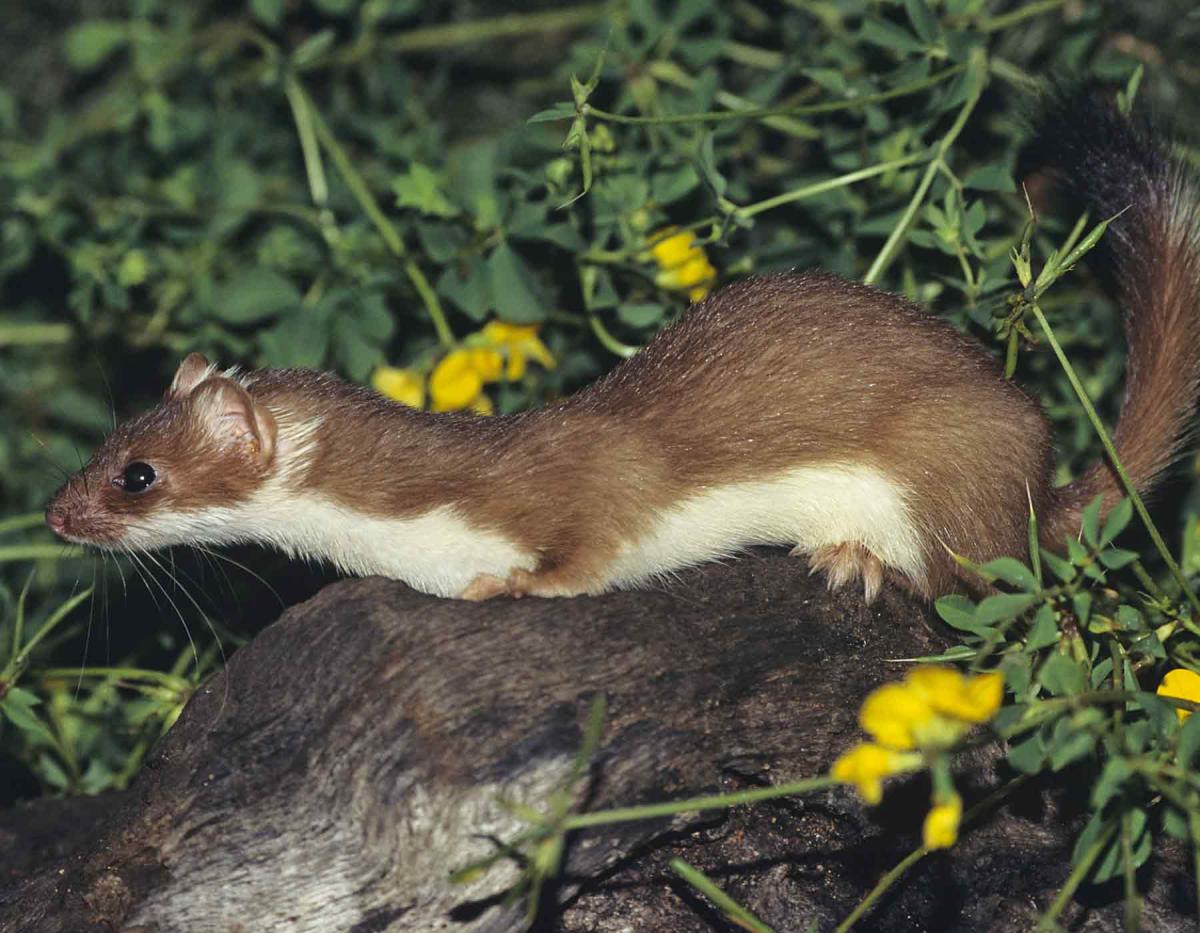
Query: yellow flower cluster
683	265
500	350
913	722
1181	684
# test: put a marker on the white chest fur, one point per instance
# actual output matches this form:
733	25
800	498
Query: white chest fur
437	552
806	508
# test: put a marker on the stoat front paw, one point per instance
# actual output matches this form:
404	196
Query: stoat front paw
520	583
484	586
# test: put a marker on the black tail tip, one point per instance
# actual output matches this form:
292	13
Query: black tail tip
1100	156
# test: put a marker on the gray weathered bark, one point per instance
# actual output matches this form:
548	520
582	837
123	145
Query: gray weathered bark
354	753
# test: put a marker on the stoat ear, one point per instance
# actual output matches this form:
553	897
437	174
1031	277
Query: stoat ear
233	419
192	371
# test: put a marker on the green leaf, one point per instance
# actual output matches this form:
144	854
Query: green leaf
1189	742
357	355
1091	521
1062	569
1027	756
1115	558
89	44
1109	865
335	7
706	162
890	36
298	340
420	188
990	178
314	47
268	12
472	292
1062	676
253	296
1116	772
1002	607
1117	519
440	241
21	716
956	610
564	110
924	23
641	316
1012	572
513	292
1044	631
1068	744
1081	602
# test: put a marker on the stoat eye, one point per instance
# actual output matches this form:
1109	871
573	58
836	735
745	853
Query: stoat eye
138	477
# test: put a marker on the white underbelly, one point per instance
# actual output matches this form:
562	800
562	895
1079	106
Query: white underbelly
806	508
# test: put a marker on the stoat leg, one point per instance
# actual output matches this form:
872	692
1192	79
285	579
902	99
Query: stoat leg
484	586
521	583
843	563
544	583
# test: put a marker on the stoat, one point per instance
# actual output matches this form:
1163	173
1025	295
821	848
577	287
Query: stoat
796	409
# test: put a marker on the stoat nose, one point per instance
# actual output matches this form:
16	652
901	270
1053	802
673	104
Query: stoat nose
56	520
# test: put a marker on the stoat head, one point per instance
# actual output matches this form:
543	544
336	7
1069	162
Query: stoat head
209	443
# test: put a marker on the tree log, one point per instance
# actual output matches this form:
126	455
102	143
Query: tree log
356	752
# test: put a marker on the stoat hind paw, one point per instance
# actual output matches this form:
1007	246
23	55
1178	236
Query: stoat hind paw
844	563
519	583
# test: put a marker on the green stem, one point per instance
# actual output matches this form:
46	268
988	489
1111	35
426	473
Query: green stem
21	522
1138	505
1131	906
696	804
170	681
726	904
1030	10
1082	867
495	28
829	184
28	335
1194	826
751	55
977	72
671	73
889	878
608	341
38	552
310	149
18	660
387	230
1016	76
919	853
763	112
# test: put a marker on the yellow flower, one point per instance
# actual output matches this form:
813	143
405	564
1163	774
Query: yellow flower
519	342
894	714
404	385
867	764
683	266
969	699
487	362
941	829
1181	684
941	822
456	382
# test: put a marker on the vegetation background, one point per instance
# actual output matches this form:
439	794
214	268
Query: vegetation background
359	184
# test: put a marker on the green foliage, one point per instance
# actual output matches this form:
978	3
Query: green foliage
348	183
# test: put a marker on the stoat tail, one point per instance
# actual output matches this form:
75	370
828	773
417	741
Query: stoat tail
1151	253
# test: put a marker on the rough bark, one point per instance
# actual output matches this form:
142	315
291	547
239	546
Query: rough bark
354	753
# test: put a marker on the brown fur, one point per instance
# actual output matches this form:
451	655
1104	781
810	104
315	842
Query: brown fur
765	376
